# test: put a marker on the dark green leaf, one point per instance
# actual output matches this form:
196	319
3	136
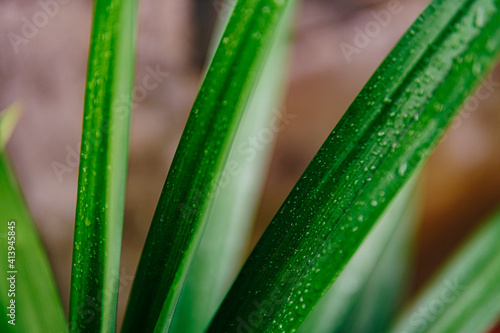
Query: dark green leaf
367	292
385	135
196	170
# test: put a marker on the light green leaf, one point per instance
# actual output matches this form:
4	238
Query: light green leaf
464	296
8	120
27	283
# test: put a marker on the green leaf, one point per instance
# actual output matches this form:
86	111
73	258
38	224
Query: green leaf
103	168
385	135
33	285
8	120
225	239
367	291
196	170
464	296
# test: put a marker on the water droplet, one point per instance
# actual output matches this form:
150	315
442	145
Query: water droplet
479	19
87	223
402	169
257	35
374	203
477	68
491	44
439	107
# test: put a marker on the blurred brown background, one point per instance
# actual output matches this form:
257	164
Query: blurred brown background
46	71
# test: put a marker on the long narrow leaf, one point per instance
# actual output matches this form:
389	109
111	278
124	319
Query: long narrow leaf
196	170
464	296
27	283
8	121
103	168
367	291
226	237
385	135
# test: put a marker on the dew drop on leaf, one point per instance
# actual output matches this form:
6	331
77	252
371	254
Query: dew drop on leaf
402	169
479	19
257	35
477	68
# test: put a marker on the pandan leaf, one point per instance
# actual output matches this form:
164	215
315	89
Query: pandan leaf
196	171
386	134
463	296
27	285
103	168
367	292
226	237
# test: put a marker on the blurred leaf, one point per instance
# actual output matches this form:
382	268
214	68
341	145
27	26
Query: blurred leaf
196	170
225	239
8	120
385	135
34	287
464	296
367	291
103	168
